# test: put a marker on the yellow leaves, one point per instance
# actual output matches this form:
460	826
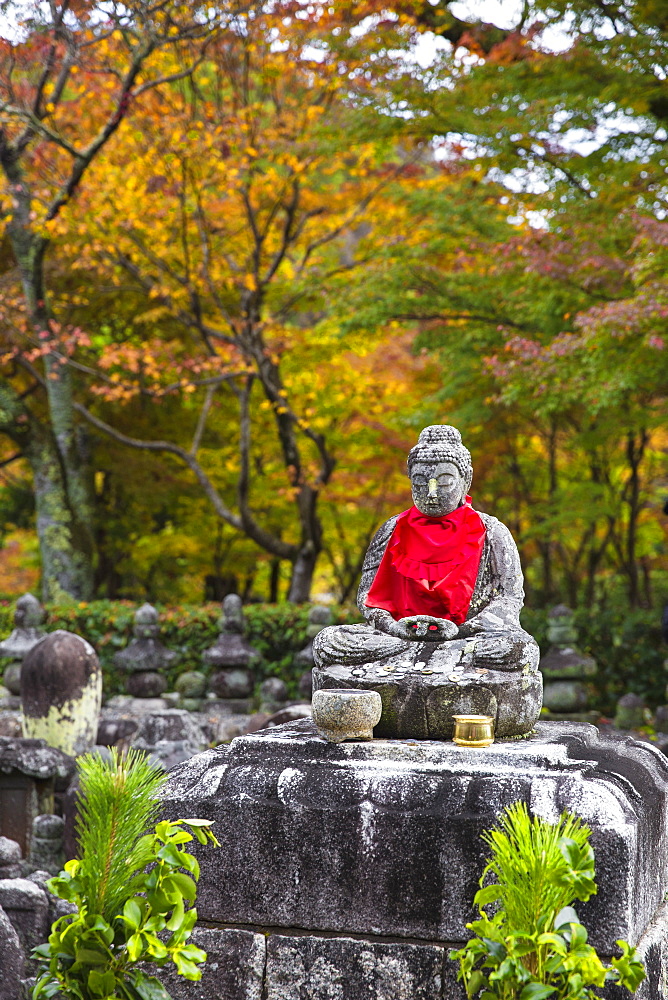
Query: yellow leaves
250	283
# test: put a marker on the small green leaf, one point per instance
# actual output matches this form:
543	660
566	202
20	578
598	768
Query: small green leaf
101	984
87	956
488	894
536	991
566	915
132	914
148	987
134	947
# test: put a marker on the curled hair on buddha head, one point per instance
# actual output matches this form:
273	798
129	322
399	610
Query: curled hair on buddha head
442	443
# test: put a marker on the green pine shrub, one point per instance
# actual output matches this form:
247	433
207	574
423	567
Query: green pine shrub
531	945
133	890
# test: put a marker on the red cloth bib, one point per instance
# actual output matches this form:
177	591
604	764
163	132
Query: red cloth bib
430	565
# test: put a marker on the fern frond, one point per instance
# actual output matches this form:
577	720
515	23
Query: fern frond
117	803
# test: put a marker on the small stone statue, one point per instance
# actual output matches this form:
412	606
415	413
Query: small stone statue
563	667
441	592
28	620
145	656
232	656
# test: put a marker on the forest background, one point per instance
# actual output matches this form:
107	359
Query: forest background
249	251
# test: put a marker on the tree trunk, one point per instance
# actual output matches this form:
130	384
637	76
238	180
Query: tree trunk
63	485
66	567
635	450
302	575
274	580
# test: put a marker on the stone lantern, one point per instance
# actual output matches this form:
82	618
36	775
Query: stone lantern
564	668
232	657
29	770
145	657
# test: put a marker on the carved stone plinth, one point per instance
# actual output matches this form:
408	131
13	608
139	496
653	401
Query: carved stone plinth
348	861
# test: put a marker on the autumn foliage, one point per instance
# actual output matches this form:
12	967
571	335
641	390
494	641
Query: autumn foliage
250	251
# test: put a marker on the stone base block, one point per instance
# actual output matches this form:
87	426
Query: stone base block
379	843
234	970
420	704
274	965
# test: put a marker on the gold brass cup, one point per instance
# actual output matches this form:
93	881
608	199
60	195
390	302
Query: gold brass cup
473	730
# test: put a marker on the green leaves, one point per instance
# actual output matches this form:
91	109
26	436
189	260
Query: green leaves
90	954
533	946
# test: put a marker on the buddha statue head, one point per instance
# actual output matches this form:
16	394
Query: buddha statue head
440	470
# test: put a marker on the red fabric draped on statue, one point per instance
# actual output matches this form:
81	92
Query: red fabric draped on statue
430	565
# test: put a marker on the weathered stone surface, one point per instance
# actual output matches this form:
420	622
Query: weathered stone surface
12	959
565	696
567	662
564	666
12	678
316	968
27	907
191	684
29	774
35	759
147	684
273	691
168	724
229	727
10	858
243	965
46	843
421	698
234	683
346	715
113	728
170	736
234	969
631	712
10	724
382	838
291	713
306	684
61	692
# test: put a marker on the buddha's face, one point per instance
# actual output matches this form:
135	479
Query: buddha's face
438	488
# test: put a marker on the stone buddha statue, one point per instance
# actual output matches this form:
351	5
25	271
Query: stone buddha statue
441	592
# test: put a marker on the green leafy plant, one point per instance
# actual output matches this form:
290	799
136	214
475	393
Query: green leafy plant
133	890
532	946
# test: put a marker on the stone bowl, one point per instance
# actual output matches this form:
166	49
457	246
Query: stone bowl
346	713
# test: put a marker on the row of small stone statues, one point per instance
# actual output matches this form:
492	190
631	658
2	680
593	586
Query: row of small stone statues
230	663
